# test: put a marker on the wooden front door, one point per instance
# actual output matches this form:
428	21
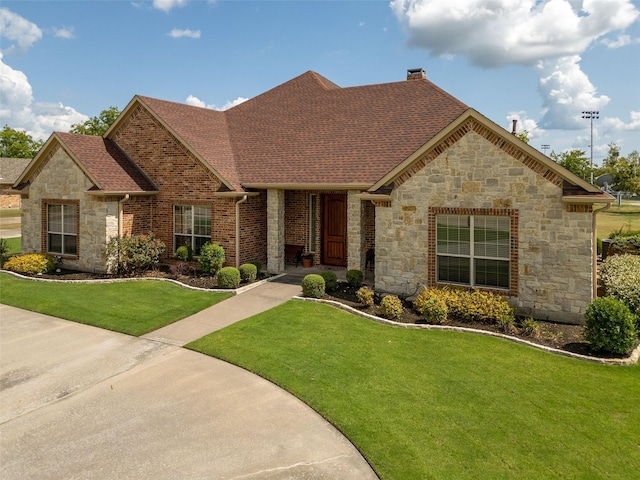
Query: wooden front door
334	231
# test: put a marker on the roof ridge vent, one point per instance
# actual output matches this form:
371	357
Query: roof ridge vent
416	74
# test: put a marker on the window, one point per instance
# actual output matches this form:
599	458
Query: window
191	226
62	229
473	250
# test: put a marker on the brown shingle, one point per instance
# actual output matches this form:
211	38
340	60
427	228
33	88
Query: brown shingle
309	130
110	167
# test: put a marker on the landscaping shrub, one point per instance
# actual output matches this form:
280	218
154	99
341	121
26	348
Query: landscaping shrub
31	263
610	326
531	328
620	276
184	253
365	296
625	243
313	286
507	324
258	265
248	272
4	251
431	305
228	277
480	306
330	280
211	257
133	254
391	307
354	278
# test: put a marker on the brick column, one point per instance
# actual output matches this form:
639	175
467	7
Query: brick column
275	230
355	232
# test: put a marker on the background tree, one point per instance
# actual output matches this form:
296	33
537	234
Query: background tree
97	125
575	161
18	144
524	136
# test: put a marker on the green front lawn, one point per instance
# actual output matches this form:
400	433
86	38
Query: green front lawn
13	245
436	404
135	307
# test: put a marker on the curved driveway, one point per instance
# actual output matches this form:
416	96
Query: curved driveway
81	402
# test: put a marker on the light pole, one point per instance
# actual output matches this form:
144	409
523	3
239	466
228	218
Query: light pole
545	148
591	114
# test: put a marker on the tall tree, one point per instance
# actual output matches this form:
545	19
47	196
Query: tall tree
626	173
575	161
18	144
97	125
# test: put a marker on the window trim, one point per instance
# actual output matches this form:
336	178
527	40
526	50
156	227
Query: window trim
45	227
475	212
192	235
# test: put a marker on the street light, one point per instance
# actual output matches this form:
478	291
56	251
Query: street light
545	148
591	114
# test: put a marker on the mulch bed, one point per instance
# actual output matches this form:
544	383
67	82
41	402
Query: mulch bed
556	335
565	337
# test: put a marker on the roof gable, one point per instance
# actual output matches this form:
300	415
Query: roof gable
108	168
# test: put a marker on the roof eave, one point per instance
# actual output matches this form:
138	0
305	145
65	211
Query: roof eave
118	193
309	186
603	197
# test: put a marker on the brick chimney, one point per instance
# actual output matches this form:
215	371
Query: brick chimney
416	74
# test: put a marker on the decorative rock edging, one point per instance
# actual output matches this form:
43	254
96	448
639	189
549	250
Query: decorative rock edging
236	291
632	359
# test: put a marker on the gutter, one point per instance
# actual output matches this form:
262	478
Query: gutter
120	212
594	266
242	200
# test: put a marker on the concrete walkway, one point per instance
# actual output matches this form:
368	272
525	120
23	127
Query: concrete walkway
80	402
244	305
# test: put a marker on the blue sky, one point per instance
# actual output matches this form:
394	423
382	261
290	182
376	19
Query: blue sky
540	61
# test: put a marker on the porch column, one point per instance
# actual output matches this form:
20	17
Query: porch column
275	230
355	232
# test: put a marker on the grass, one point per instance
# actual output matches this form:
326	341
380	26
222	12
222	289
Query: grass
625	217
437	404
10	212
135	307
13	245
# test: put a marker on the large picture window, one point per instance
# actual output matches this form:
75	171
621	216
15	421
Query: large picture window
62	229
473	250
191	226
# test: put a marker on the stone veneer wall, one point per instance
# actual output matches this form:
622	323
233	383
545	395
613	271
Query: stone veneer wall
554	243
59	178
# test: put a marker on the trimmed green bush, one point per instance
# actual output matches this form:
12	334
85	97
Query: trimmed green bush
610	326
31	263
620	275
391	307
432	307
228	277
313	286
258	265
330	280
365	296
355	278
248	272
211	257
4	250
133	254
184	253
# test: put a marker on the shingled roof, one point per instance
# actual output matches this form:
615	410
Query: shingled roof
310	131
105	164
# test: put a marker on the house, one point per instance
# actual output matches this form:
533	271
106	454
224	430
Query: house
10	170
440	193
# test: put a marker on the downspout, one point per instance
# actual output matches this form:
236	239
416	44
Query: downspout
242	200
594	266
120	213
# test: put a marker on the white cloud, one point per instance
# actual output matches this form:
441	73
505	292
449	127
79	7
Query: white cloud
166	5
177	33
493	33
615	124
620	41
19	110
21	33
64	32
549	35
196	102
566	92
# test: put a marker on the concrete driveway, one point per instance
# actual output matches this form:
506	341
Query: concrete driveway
81	402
